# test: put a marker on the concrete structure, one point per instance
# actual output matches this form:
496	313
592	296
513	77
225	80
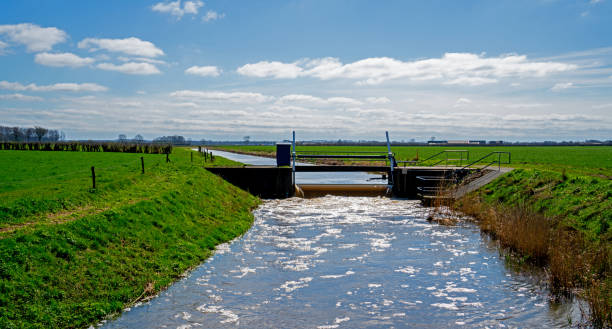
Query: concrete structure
276	183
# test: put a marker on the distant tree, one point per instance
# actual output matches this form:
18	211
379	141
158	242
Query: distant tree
30	134
246	139
40	132
122	138
53	135
16	134
138	138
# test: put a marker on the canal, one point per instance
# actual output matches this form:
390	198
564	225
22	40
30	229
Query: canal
351	262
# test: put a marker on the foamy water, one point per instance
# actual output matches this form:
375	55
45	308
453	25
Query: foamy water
340	262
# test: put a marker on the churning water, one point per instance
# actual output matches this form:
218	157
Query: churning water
349	262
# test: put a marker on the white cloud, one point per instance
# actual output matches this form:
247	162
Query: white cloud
130	46
3	45
593	2
75	87
21	97
62	60
562	86
204	71
317	101
275	70
462	102
130	68
140	59
452	68
212	15
471	81
378	100
174	7
34	37
240	97
602	106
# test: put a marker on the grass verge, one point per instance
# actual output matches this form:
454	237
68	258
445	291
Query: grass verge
140	238
555	220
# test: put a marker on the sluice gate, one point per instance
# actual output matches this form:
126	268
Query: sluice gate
417	182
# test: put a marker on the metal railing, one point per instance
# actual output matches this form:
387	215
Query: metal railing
492	154
446	159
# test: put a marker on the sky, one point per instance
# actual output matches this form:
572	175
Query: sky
515	70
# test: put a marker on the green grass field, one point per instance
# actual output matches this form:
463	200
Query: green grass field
588	160
71	256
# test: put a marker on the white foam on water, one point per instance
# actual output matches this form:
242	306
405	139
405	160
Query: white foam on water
448	306
229	315
336	276
340	320
290	286
374	285
408	270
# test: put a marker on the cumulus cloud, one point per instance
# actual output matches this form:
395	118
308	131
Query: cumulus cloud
174	8
62	60
452	68
130	46
74	87
130	68
21	97
275	70
562	86
240	97
212	15
203	71
34	37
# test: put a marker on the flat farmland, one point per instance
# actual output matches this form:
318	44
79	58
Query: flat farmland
586	160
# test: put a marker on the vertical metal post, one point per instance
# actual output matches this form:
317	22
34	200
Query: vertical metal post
142	164
391	160
293	156
93	177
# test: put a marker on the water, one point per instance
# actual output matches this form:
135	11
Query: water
340	262
309	177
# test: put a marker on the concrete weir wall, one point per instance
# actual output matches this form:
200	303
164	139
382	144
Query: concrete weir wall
272	182
268	182
405	181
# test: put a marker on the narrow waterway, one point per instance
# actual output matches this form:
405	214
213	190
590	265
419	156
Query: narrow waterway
352	262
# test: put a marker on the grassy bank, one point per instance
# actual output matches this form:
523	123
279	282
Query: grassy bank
71	256
557	220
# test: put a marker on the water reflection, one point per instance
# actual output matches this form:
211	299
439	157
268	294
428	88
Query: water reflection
337	262
308	177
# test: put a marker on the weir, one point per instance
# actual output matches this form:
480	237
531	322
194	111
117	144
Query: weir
278	182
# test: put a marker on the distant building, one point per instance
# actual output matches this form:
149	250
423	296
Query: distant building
477	142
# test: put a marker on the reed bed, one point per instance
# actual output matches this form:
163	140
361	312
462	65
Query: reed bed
575	264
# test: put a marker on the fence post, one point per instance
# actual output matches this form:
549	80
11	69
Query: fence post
93	177
191	157
142	164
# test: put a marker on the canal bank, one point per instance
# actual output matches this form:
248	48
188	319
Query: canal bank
353	262
82	264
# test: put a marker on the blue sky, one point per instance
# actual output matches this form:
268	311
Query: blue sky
513	70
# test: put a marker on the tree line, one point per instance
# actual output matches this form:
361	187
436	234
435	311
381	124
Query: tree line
151	148
35	134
